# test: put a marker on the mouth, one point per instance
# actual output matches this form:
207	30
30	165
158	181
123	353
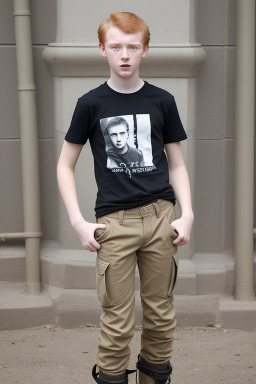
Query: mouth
125	66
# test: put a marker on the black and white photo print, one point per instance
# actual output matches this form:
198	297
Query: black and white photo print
128	141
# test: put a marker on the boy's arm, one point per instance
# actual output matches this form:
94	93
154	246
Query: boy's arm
66	180
180	182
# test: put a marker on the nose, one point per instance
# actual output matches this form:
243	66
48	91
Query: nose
125	54
118	137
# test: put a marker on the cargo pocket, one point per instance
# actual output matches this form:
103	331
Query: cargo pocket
101	269
174	273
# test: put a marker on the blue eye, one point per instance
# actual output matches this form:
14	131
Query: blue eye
115	48
133	49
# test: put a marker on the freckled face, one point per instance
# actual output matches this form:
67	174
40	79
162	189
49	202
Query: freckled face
118	136
123	51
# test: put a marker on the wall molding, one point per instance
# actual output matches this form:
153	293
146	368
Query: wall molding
76	60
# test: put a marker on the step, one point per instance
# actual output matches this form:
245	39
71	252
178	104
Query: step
19	309
75	269
80	307
12	263
69	308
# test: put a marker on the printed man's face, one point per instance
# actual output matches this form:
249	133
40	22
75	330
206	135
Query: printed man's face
118	136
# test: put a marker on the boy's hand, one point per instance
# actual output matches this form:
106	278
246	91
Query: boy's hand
183	227
86	232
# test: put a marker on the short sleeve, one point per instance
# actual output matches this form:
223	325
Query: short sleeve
174	130
78	132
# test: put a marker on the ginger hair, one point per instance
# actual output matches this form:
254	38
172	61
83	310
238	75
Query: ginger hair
127	22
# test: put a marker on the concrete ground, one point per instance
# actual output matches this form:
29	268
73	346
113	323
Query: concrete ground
56	355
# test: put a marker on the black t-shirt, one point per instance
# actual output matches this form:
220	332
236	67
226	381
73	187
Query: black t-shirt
127	133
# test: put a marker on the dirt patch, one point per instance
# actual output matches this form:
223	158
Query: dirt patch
56	356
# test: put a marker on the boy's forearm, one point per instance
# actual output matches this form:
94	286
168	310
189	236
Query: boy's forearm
67	186
180	183
84	229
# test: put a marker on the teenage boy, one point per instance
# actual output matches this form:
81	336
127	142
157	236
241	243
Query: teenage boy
135	210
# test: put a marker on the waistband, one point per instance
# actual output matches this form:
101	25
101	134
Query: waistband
155	207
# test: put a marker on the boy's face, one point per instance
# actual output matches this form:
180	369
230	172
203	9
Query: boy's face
123	51
118	136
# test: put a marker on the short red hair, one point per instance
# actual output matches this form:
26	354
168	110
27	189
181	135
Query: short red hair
127	22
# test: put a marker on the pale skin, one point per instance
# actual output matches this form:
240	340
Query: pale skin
124	53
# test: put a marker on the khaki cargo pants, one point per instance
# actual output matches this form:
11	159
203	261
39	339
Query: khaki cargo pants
140	236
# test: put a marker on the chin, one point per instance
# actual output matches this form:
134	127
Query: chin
126	74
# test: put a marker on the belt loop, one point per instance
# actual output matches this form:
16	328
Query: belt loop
157	209
121	217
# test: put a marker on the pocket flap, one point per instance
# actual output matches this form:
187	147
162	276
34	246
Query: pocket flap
101	266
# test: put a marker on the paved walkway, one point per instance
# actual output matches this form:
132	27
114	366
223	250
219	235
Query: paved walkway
58	356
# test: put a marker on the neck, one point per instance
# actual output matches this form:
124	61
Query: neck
125	85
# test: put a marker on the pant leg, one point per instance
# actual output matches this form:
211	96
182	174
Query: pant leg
157	262
115	280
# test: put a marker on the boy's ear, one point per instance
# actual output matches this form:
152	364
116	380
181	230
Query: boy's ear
145	51
102	50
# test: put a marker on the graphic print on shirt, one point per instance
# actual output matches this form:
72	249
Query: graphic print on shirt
128	143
